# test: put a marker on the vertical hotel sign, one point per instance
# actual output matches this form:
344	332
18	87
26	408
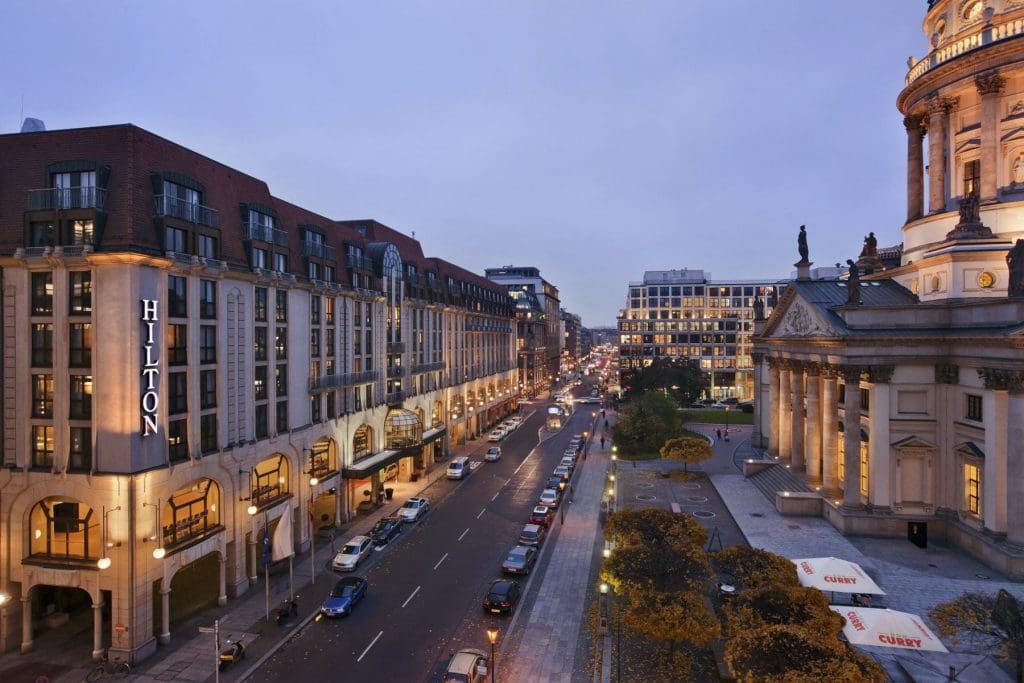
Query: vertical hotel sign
150	367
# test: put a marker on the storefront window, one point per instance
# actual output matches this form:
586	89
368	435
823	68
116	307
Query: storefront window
322	462
191	513
402	429
362	442
270	480
64	530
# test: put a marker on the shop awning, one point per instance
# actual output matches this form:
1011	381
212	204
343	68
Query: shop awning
833	574
887	628
366	467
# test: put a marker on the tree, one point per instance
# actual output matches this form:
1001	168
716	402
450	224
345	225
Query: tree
645	424
995	621
664	567
652	526
678	378
753	567
775	604
676	617
690	449
794	655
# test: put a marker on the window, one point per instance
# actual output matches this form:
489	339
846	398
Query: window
281	306
863	468
206	246
974	407
177	339
81	397
330	405
972	489
207	343
281	342
181	202
42	446
328	273
281	380
972	178
75	190
314	310
79	292
43	234
314	342
280	263
176	302
261	421
177	393
81	232
80	450
329	310
314	409
207	389
42	294
175	239
208	432
42	396
260	343
177	440
207	299
80	345
260	382
259	258
282	417
42	345
261	304
329	342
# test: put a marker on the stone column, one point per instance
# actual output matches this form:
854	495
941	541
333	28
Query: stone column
829	431
1002	455
813	424
757	433
1015	461
879	484
773	407
26	622
222	585
785	412
989	85
165	616
796	414
915	166
851	437
97	632
938	116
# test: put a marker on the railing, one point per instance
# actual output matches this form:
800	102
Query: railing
50	198
396	347
396	371
327	382
427	367
265	233
353	261
394	398
317	250
165	205
985	36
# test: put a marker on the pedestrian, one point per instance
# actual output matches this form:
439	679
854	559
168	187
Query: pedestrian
602	412
380	494
606	423
718	433
602	443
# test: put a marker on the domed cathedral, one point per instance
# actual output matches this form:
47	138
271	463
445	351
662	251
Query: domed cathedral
894	396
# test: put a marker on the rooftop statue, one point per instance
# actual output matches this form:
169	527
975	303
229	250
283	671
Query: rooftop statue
853	284
801	243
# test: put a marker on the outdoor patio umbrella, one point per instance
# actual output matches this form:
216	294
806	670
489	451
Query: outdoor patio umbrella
833	574
886	628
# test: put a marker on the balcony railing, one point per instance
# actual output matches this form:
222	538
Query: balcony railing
396	371
50	198
353	261
427	367
396	347
986	36
165	205
394	398
328	382
265	233
318	250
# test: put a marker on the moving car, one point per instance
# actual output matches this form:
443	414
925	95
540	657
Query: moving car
458	468
493	453
549	498
542	515
352	553
414	508
468	665
344	596
520	560
502	597
385	529
532	534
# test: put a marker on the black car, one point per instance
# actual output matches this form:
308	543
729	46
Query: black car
554	481
502	597
385	530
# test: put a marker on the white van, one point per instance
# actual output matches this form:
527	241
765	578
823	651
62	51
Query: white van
458	468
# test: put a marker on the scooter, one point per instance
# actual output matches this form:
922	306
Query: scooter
234	653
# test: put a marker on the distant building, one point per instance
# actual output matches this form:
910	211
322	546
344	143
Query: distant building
572	347
684	314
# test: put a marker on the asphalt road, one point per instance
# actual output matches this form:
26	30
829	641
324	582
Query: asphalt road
426	588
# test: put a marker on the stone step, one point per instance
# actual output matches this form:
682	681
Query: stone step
776	478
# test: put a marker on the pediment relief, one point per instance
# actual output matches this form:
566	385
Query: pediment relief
800	320
913	443
1013	134
969	450
968	145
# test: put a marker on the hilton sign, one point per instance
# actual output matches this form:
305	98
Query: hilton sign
150	367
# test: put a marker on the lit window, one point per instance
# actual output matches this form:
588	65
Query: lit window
972	489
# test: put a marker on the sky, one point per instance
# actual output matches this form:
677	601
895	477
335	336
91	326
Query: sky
593	139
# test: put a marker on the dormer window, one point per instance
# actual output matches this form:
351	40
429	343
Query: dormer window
75	190
973	10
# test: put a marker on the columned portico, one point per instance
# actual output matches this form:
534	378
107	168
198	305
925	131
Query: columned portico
757	434
785	417
915	166
851	436
989	85
796	383
773	404
813	428
829	431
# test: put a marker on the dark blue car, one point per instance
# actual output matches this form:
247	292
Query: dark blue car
344	596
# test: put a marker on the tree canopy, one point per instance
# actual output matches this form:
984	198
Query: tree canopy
678	378
664	567
751	567
647	526
690	449
645	424
792	654
676	617
775	604
994	620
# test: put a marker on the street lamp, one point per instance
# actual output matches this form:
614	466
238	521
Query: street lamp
492	635
313	481
105	561
561	502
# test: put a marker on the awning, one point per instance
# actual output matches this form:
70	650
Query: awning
833	574
886	628
434	434
366	467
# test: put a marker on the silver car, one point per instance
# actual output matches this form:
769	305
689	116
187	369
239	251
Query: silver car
349	557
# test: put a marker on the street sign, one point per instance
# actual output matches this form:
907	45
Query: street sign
119	629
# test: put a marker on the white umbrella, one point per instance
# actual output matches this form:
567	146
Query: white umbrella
833	574
886	628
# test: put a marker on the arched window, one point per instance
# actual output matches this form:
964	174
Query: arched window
362	442
63	529
402	428
972	11
191	513
323	461
270	480
437	417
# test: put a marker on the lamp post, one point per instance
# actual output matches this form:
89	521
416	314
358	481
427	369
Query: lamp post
313	481
492	635
561	502
105	545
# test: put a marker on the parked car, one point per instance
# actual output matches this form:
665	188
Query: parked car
344	596
520	560
549	498
532	534
352	553
496	435
553	482
414	508
468	665
516	419
717	406
493	454
568	461
509	426
501	597
563	471
385	530
541	515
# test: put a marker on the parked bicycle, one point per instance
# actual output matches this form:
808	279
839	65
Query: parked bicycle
106	667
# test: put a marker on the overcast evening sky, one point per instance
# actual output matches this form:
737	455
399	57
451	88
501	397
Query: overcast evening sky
592	139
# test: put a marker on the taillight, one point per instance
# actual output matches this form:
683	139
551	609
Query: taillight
505	603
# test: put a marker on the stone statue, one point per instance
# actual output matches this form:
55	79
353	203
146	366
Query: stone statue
758	308
853	284
870	247
801	243
1015	264
1018	170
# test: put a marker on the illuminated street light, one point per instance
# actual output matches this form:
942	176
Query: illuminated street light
492	635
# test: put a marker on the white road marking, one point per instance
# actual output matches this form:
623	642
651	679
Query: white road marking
372	642
523	462
498	493
410	597
508	481
481	513
440	561
464	533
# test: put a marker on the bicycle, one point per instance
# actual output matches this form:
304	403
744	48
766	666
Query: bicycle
106	667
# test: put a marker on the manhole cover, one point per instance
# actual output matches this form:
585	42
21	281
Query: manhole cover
706	514
793	526
645	485
757	514
646	497
691	486
697	499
